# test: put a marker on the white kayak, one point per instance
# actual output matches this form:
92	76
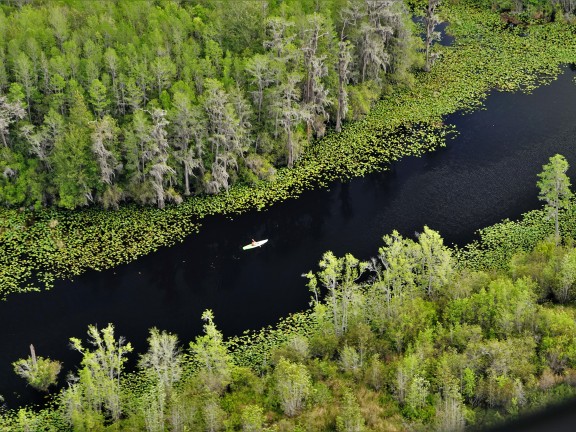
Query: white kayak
255	245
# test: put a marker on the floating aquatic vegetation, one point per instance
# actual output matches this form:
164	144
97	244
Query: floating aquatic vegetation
37	247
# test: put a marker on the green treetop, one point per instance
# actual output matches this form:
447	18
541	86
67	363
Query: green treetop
554	187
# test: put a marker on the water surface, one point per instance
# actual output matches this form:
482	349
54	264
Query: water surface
487	173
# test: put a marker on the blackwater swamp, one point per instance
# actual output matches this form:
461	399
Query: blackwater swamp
487	173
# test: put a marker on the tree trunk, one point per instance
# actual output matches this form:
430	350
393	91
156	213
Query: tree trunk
338	126
427	55
557	228
186	182
260	100
33	356
335	312
341	101
431	22
290	146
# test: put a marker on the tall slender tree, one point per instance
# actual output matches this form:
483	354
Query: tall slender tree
98	98
280	36
289	113
26	76
105	148
10	112
339	277
435	264
212	355
189	137
226	134
163	365
98	382
431	20
293	386
316	33
555	190
261	76
75	170
160	172
344	59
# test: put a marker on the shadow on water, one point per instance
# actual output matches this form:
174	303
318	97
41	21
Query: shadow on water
487	173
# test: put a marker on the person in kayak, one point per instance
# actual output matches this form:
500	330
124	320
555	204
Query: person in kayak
253	242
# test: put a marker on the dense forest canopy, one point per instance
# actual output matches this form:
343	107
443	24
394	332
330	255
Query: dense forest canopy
154	100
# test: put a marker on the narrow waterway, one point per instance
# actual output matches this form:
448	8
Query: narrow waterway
487	173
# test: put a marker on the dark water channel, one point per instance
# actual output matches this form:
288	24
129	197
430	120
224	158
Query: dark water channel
485	174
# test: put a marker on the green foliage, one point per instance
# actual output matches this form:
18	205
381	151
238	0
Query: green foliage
488	344
338	276
276	81
408	121
293	385
362	97
161	368
210	352
350	419
96	392
436	264
489	352
416	400
565	289
505	308
554	187
40	372
253	419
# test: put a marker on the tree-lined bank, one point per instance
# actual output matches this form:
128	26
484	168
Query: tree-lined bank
424	342
55	243
152	101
